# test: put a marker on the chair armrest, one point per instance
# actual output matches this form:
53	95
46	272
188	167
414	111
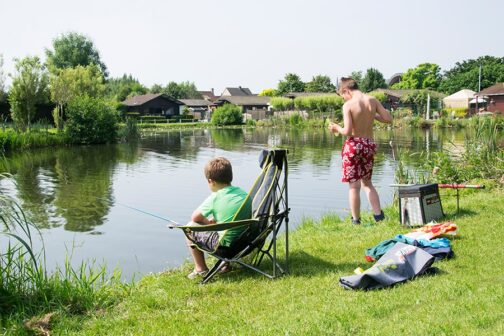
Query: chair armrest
195	227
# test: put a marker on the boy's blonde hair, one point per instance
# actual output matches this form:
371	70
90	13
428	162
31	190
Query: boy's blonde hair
347	83
219	170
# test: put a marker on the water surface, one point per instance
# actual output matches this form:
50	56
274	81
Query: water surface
73	194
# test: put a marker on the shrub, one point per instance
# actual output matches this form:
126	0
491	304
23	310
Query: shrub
282	103
295	119
380	96
130	131
460	112
91	121
228	114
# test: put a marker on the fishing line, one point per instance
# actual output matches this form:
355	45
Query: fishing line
140	210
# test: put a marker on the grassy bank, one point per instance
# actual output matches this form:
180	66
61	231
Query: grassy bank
464	298
12	140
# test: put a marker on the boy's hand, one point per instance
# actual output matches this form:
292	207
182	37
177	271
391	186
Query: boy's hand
333	128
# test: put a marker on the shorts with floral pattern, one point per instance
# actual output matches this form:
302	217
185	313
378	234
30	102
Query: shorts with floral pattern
206	240
357	159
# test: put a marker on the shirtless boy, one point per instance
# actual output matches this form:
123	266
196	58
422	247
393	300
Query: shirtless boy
359	113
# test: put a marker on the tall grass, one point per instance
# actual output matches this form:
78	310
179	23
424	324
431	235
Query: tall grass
26	288
12	140
481	158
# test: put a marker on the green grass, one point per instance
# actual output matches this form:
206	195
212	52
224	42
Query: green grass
466	298
26	288
12	140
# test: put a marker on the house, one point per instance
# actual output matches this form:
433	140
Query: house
393	97
208	95
396	78
254	106
153	104
239	91
198	108
459	99
495	94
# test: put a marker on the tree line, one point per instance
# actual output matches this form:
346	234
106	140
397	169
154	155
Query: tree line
73	70
425	76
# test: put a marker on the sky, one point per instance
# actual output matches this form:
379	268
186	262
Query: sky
230	43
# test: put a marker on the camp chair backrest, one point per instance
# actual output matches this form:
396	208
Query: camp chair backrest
263	199
263	192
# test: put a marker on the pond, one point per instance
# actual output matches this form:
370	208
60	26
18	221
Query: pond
75	195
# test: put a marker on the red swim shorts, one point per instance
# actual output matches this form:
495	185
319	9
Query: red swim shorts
357	159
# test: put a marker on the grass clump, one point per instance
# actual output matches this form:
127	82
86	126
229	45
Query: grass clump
29	292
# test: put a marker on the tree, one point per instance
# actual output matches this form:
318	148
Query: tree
357	76
320	83
123	87
465	75
227	114
183	90
70	83
73	49
29	88
156	88
291	83
419	99
3	94
372	80
424	76
269	93
91	121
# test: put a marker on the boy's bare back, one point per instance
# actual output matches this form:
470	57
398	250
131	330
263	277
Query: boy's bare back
363	110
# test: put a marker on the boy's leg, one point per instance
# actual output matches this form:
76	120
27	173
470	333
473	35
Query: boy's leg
372	196
354	199
198	257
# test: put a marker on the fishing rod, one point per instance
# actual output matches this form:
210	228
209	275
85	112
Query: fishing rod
140	210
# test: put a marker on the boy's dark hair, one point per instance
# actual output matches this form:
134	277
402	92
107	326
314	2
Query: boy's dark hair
348	83
219	170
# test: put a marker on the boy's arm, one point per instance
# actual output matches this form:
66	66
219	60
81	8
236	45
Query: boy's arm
382	115
198	217
347	122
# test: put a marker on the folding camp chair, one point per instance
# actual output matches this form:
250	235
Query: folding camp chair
269	210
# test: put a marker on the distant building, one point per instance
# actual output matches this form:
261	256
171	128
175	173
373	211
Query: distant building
396	78
393	97
459	99
153	104
255	106
208	95
495	100
239	91
199	108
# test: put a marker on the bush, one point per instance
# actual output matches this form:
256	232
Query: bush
130	131
282	103
228	114
380	96
132	115
460	112
91	121
323	104
295	119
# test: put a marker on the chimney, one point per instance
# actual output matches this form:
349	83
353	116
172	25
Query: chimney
213	92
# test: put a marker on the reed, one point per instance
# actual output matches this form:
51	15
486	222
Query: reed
27	289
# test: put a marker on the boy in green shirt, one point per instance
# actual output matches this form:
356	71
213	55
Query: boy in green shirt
225	204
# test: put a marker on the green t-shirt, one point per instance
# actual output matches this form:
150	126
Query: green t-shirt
223	205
